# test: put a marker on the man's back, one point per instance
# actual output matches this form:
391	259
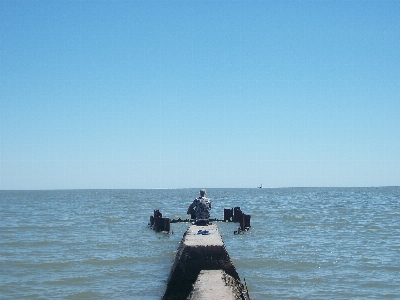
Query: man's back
202	207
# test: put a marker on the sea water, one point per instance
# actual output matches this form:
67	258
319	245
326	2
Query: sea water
304	243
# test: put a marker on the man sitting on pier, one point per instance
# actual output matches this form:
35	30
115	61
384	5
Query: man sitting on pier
201	207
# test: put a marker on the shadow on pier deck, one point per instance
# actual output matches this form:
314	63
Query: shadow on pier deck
203	269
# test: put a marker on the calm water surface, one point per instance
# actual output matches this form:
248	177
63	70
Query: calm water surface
305	243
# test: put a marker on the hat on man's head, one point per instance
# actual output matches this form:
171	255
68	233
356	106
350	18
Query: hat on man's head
202	192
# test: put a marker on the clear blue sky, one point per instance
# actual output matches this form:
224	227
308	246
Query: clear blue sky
176	94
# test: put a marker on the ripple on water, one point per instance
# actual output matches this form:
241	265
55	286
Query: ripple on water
328	243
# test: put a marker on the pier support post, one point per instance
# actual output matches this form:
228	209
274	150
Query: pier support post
162	224
158	223
228	214
237	214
